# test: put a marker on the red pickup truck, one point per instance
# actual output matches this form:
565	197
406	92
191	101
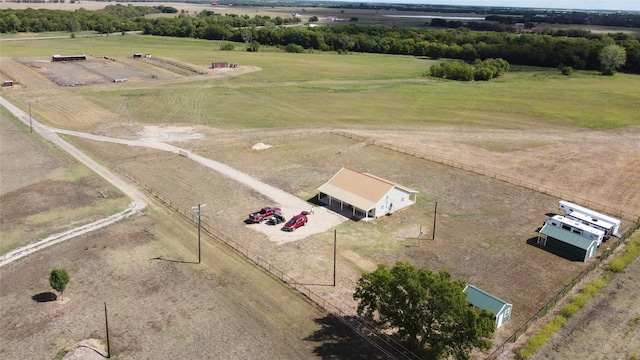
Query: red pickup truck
263	214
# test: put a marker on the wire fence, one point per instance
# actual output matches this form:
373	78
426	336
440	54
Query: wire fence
365	329
514	181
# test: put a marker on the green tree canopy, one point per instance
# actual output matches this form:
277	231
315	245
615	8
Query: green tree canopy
428	311
611	58
59	278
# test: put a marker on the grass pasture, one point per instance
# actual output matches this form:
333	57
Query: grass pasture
577	135
44	191
335	89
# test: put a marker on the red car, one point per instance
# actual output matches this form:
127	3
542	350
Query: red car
296	222
263	214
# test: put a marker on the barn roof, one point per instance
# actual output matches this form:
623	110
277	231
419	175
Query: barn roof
567	236
482	299
358	189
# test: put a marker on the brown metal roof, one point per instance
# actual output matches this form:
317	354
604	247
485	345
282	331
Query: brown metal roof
358	189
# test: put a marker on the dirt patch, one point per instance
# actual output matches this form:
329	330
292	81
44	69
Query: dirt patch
169	133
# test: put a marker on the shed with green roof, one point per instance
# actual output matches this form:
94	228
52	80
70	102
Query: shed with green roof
573	246
483	300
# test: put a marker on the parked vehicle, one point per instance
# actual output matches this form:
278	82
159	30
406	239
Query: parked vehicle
263	214
295	222
276	219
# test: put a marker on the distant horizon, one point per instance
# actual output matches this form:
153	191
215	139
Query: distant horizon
611	5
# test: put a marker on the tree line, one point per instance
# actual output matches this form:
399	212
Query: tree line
547	49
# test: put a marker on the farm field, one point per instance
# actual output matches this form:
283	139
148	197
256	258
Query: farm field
522	126
160	303
43	191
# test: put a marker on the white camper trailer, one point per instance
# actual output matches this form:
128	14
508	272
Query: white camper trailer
592	222
576	228
569	208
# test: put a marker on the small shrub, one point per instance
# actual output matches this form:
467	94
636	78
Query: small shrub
594	286
617	265
484	73
581	299
294	48
569	310
227	47
567	70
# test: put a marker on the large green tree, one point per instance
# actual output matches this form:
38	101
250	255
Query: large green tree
59	278
611	58
427	311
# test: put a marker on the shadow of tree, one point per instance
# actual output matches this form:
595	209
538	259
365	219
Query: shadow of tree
44	297
338	341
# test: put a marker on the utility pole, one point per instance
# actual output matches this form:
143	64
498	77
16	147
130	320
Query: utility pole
335	240
106	321
197	208
435	211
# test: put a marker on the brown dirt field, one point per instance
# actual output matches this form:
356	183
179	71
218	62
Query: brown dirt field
224	308
43	191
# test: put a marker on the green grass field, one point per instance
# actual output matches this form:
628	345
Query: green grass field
327	89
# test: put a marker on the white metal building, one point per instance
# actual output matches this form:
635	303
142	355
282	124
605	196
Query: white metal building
365	195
